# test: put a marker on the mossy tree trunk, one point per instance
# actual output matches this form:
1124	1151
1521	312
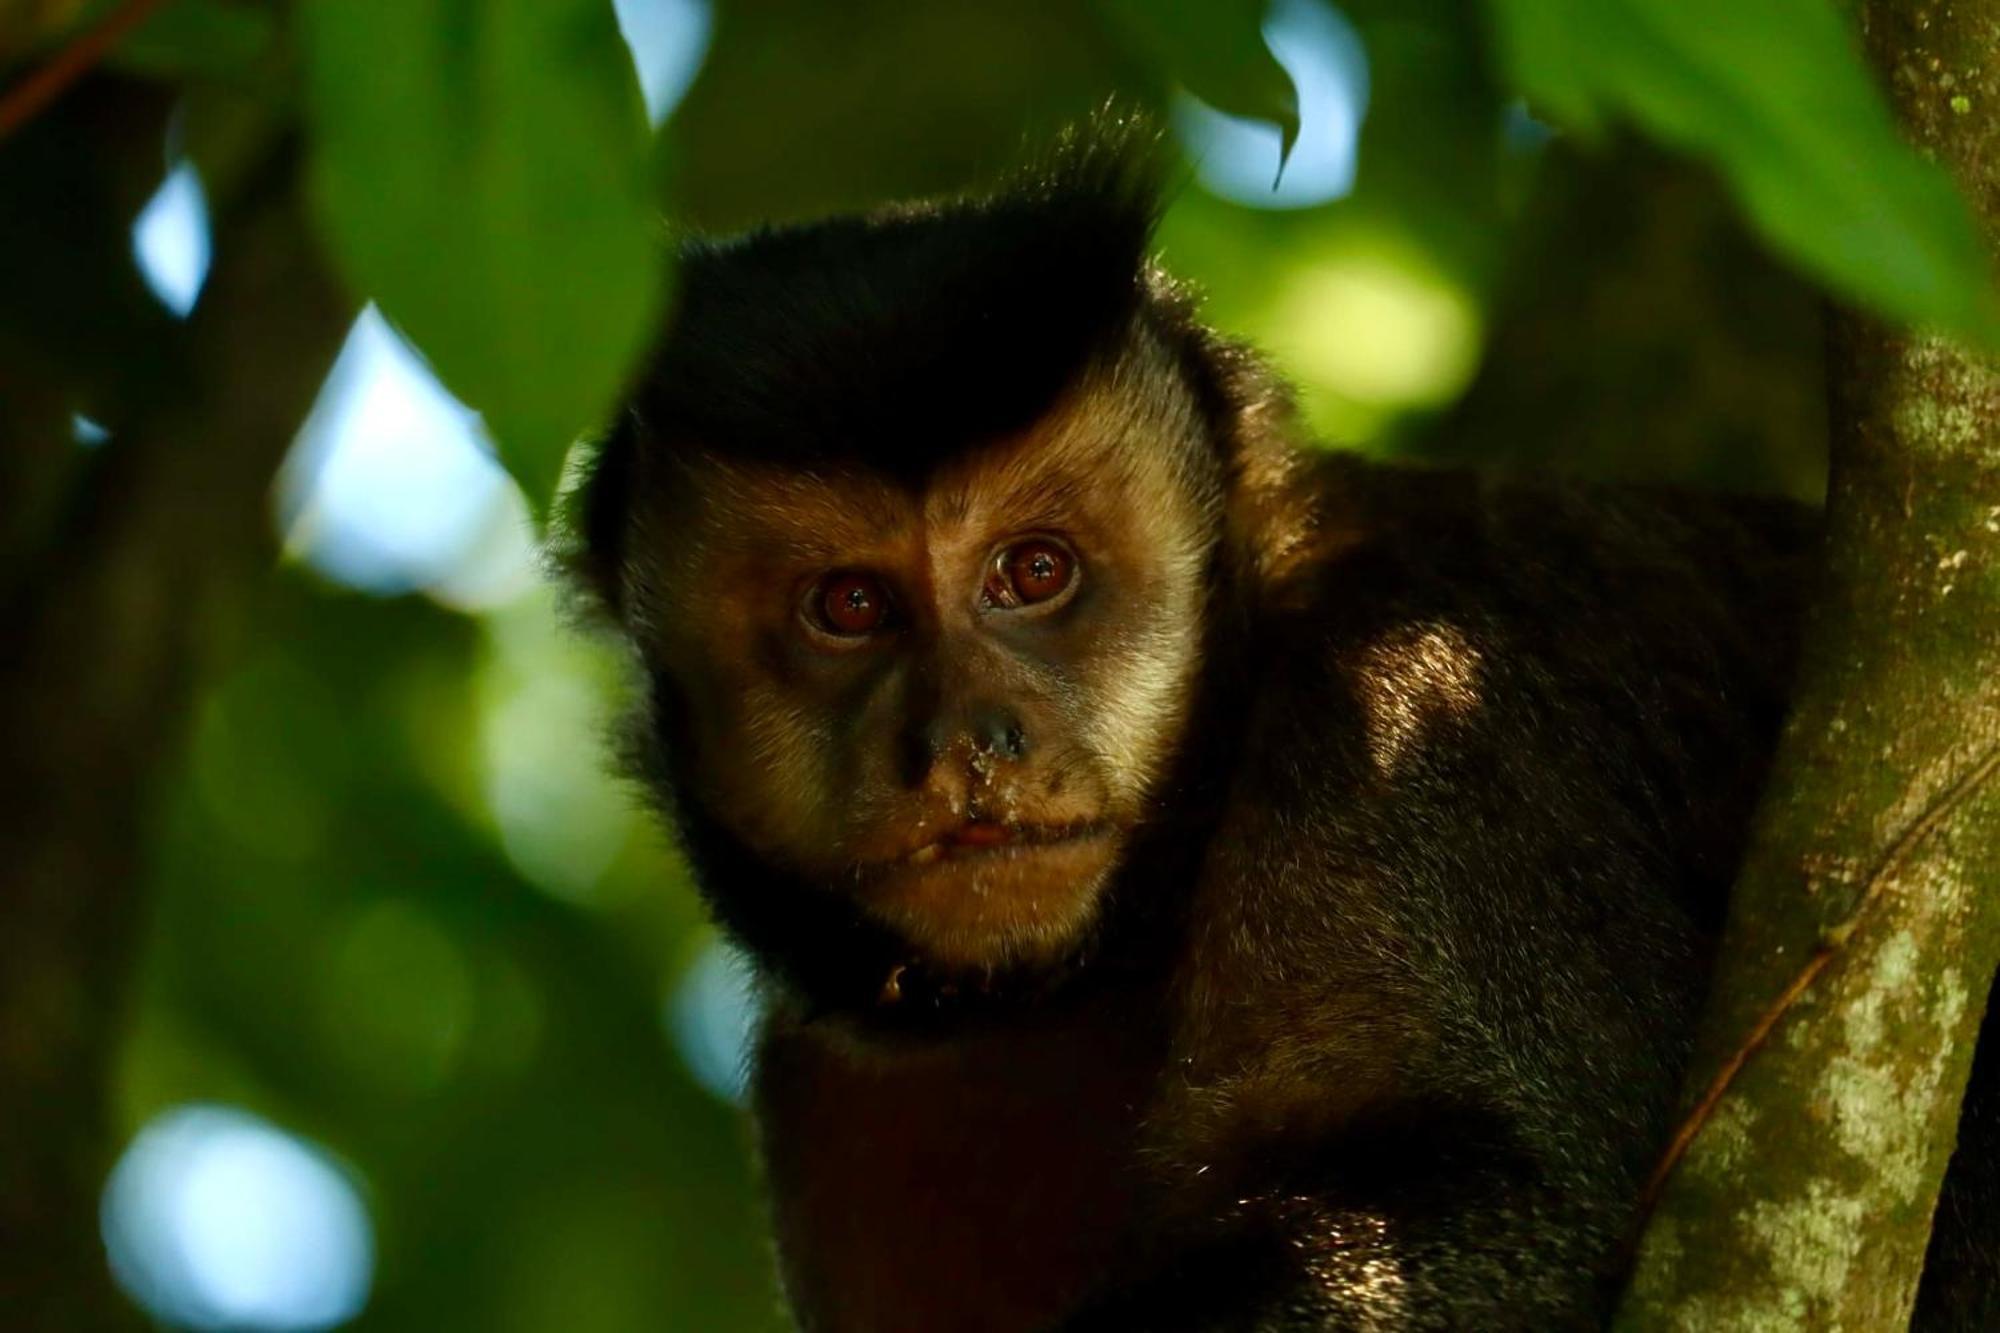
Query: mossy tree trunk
1866	925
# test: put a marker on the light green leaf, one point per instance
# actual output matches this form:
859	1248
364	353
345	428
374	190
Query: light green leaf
1774	93
482	170
1217	51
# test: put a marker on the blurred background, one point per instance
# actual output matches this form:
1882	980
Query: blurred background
340	983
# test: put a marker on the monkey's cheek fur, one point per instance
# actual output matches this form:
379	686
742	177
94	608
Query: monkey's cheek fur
994	906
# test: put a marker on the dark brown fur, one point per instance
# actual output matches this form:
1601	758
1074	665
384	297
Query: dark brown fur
981	1184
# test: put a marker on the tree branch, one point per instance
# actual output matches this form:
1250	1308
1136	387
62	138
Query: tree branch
1800	1188
109	615
1760	1031
19	104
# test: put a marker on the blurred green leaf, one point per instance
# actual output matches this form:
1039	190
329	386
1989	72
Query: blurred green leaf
483	171
1774	93
804	108
1217	51
211	39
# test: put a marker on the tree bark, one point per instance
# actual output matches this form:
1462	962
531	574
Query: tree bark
116	564
1865	927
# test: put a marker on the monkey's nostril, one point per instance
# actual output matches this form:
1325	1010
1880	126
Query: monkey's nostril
997	732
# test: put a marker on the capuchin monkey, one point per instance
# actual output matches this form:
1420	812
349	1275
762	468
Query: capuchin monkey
1201	881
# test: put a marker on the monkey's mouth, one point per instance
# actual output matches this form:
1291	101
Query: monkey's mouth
986	893
983	838
991	838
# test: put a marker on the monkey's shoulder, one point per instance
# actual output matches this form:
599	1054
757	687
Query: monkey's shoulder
1493	611
1539	557
1492	785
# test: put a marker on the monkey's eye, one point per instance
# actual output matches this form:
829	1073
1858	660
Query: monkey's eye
849	603
1036	570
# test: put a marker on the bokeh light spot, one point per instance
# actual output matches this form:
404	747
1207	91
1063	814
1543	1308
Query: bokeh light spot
87	432
397	999
1238	158
392	485
170	239
668	39
216	1219
1378	326
245	762
712	1015
1522	131
563	817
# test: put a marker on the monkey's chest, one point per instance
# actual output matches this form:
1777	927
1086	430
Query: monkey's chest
977	1186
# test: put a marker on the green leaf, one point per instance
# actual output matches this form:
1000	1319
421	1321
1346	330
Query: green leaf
1217	51
482	169
210	39
1774	93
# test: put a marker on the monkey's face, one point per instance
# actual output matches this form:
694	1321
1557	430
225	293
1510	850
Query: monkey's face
949	701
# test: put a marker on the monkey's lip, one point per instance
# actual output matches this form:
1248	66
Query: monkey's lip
982	837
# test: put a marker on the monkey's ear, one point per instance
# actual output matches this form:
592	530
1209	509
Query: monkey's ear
1281	515
589	534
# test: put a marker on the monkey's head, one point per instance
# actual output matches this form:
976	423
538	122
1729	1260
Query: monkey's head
913	523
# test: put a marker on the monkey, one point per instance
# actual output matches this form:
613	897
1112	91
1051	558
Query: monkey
1200	880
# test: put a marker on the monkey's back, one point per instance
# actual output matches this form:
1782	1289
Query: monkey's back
1457	918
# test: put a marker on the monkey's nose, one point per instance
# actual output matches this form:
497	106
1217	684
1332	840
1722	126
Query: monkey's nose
996	731
988	731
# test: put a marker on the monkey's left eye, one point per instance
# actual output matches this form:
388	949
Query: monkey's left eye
1039	569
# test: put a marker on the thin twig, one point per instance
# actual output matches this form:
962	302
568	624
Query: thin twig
1760	1031
25	99
1832	942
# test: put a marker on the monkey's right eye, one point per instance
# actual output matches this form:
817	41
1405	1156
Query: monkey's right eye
849	603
